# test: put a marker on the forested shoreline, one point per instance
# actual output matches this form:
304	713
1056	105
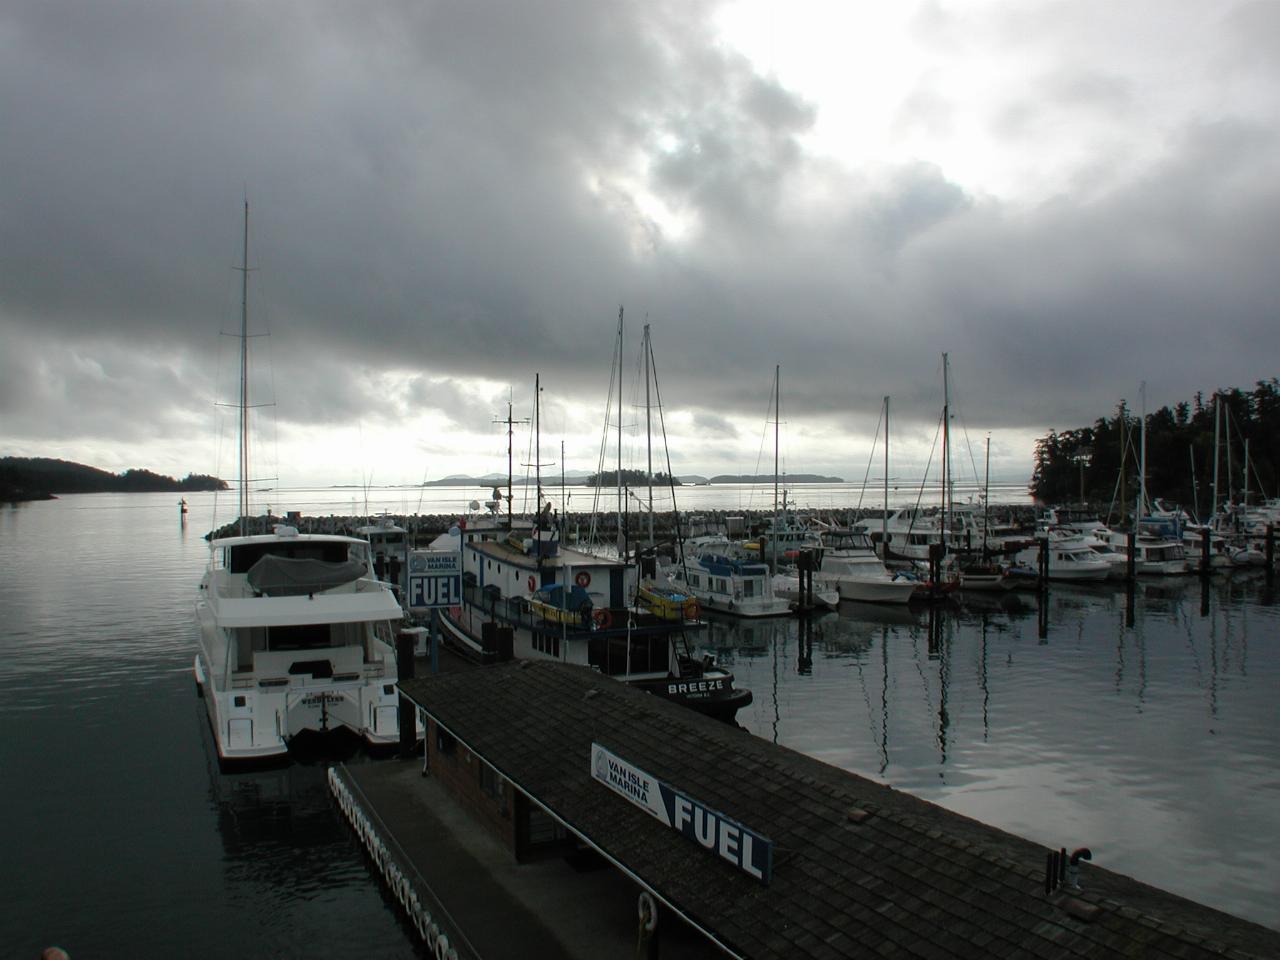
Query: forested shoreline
1099	464
41	478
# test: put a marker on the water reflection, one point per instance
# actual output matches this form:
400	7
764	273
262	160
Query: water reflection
1124	720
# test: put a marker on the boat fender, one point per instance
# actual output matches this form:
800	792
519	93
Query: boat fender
433	935
453	954
422	921
583	579
404	891
648	911
442	948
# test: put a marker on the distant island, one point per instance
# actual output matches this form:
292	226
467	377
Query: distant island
769	478
41	478
631	478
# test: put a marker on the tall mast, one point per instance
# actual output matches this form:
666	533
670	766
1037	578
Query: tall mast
1142	460
884	522
986	498
510	463
648	427
1217	426
244	377
621	541
946	447
537	448
777	418
1226	447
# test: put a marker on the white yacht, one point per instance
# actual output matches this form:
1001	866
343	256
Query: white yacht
787	585
850	562
721	582
1159	556
295	636
1070	558
295	630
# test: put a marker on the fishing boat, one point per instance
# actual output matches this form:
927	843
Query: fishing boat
527	596
295	629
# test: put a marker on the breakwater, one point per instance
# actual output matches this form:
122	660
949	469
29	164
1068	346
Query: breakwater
579	526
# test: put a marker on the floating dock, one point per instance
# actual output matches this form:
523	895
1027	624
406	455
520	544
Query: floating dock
559	813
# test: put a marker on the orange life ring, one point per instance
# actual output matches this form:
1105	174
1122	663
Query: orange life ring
533	584
603	618
583	579
691	611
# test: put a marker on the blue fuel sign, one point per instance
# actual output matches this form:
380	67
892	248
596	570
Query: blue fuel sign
435	580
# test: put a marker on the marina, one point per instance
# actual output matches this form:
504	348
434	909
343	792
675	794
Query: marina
1088	719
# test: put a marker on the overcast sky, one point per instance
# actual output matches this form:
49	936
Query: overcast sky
1069	198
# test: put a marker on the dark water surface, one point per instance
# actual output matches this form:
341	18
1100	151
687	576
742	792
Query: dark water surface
1154	744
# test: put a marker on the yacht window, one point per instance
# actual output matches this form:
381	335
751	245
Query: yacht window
748	588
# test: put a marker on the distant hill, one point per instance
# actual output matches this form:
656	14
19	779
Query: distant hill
769	478
39	478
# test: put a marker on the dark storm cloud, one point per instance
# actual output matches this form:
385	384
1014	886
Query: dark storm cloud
444	192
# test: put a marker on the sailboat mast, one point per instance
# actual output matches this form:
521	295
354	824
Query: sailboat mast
619	474
986	498
884	522
1217	426
537	447
648	427
946	447
777	418
1142	459
244	377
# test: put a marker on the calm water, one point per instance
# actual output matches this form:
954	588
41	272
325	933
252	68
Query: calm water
1154	744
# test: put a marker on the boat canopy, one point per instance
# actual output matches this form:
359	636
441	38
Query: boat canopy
277	576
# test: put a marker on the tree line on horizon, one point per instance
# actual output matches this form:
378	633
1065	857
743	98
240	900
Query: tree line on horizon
37	478
1100	464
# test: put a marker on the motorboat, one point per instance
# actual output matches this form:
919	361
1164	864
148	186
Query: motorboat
295	629
788	585
725	583
295	638
849	562
1071	558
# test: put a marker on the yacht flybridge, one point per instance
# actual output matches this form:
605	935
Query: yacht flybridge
295	637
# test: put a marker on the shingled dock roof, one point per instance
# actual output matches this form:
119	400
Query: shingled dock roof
859	869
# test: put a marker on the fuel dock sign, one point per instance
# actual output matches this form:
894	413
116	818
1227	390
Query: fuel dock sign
435	580
744	848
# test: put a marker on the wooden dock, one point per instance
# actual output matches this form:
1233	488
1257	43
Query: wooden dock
515	803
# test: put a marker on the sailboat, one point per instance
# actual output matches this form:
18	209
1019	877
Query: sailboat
296	636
